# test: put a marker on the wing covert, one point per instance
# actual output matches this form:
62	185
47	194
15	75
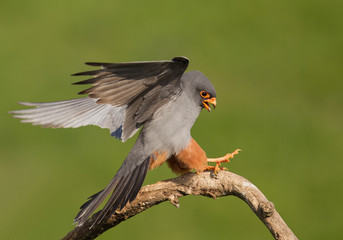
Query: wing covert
141	86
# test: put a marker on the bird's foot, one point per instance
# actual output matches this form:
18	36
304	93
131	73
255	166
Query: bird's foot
220	160
215	169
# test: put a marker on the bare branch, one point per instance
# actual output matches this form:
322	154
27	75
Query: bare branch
205	184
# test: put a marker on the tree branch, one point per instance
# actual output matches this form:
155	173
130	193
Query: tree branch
205	184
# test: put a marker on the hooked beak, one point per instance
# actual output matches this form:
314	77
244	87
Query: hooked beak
207	102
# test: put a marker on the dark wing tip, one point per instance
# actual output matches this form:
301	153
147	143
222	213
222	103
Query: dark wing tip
94	64
83	82
82	73
98	64
182	61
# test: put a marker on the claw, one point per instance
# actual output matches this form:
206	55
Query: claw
224	169
215	169
220	160
231	155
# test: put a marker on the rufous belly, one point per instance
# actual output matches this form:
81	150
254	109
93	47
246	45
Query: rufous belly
192	157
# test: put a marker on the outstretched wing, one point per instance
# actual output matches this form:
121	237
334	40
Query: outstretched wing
123	97
73	113
142	87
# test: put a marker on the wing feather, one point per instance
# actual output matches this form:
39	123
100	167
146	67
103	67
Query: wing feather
72	114
141	86
122	98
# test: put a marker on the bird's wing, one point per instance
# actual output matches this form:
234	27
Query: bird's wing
73	113
142	87
123	97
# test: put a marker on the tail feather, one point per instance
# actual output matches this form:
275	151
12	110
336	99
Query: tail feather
138	173
93	203
114	200
140	181
90	199
124	189
123	198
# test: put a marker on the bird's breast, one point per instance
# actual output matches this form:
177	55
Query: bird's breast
169	130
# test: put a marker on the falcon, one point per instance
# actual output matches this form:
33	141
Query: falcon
157	97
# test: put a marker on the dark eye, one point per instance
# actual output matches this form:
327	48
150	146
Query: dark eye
204	94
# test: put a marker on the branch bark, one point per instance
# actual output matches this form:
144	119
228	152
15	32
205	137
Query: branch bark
204	184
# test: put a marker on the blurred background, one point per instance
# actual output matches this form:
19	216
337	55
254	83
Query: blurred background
277	68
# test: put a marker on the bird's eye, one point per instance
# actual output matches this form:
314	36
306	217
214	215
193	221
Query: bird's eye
204	94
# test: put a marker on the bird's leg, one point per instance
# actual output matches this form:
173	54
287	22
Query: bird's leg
219	161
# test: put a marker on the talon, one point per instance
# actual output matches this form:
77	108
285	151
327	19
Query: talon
220	160
231	155
236	151
217	169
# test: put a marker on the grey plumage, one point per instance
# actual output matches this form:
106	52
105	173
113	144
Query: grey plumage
124	97
142	86
168	131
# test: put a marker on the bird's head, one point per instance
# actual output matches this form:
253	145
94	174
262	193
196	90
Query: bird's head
200	89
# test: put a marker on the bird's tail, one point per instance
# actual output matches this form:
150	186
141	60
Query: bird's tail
124	187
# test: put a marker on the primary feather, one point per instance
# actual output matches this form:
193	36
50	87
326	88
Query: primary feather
72	114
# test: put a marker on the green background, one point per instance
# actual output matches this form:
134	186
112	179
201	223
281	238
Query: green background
277	68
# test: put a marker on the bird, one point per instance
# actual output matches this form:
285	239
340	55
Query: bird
156	97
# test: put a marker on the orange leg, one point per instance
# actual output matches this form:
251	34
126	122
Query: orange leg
219	161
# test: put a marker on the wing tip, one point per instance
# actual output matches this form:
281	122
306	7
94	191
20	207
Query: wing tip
28	104
98	64
16	113
93	64
183	60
